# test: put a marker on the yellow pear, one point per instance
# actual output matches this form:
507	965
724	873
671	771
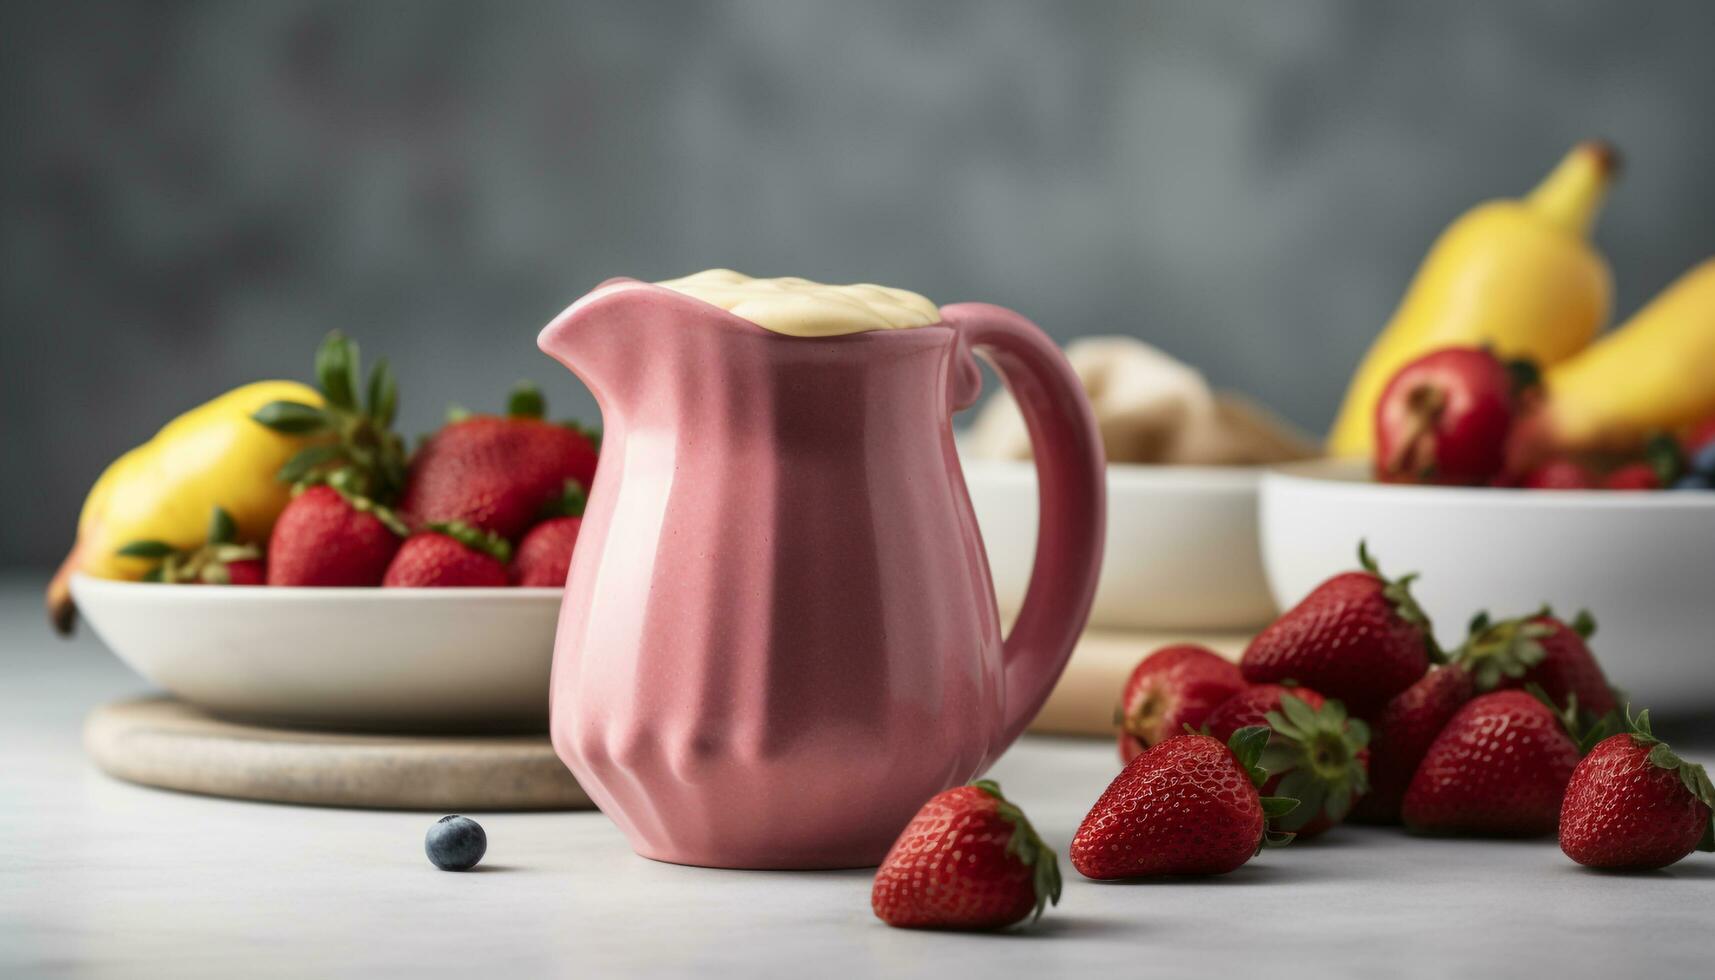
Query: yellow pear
164	490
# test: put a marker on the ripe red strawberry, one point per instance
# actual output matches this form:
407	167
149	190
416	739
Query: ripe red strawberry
1633	476
449	556
1171	688
1559	474
545	554
1403	732
1316	754
220	561
968	860
1445	418
1357	637
328	538
1632	803
1186	806
497	473
1498	769
1540	650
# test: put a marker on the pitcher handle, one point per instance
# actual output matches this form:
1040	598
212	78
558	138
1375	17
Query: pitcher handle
1071	507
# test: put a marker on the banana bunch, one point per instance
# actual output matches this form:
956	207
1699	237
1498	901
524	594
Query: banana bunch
1521	277
213	456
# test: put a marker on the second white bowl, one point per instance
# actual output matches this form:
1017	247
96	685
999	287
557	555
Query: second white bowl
1181	554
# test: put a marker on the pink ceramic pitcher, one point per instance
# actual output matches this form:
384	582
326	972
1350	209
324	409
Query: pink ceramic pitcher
779	637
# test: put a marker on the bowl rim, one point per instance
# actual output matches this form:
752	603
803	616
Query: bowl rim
1350	476
84	583
1125	476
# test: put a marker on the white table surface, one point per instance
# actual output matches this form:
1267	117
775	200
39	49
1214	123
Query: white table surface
100	878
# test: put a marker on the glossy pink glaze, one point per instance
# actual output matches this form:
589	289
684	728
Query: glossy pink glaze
778	637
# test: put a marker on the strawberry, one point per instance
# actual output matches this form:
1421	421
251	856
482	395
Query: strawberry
1663	463
1540	650
545	554
1633	476
221	561
449	556
1357	637
968	860
1446	416
327	537
1633	804
497	473
1499	768
1187	806
360	454
1171	688
1316	755
1402	733
1559	474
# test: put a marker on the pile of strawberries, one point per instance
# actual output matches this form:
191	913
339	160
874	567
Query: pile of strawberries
1343	708
488	500
1461	416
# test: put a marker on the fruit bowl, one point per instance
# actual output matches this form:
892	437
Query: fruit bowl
1181	550
1642	562
370	659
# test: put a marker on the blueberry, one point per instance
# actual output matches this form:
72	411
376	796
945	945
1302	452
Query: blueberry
1703	460
1694	481
455	843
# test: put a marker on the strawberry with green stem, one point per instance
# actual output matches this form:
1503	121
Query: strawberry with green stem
1188	805
222	560
1539	649
497	473
1634	804
969	859
1316	754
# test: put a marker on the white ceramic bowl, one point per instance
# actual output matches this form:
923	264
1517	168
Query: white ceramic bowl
1643	563
380	659
1181	551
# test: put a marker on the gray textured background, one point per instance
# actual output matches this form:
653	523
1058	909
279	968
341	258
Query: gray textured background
192	193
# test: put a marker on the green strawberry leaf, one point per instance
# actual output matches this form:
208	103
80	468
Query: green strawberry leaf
1247	744
292	418
336	365
146	549
221	529
1302	716
383	393
526	402
476	539
1274	807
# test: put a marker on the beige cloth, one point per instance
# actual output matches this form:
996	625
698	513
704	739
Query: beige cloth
1151	408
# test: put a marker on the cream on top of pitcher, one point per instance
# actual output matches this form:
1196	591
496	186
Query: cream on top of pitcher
801	308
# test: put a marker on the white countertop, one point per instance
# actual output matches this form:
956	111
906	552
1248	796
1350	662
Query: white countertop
100	878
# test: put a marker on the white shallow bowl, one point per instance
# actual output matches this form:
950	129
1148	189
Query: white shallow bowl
1182	551
1643	563
379	659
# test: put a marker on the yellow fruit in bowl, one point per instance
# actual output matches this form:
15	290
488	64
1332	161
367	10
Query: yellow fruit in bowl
214	455
1655	372
1519	276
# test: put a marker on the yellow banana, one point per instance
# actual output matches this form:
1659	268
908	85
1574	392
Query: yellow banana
1517	275
1655	372
213	455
